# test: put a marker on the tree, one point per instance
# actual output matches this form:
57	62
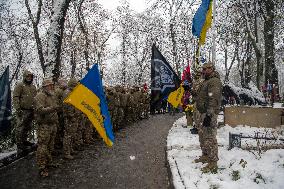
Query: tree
35	21
55	36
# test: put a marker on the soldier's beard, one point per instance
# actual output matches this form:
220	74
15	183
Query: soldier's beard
28	81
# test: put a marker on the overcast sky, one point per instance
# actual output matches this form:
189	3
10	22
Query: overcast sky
137	5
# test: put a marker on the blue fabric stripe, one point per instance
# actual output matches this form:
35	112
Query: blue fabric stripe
200	17
94	83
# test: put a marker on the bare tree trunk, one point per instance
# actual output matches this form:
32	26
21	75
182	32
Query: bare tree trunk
174	49
259	63
35	22
73	62
85	33
55	31
228	70
271	73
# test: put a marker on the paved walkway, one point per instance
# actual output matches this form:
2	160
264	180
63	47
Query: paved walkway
137	160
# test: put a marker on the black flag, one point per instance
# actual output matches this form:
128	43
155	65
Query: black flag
163	79
5	102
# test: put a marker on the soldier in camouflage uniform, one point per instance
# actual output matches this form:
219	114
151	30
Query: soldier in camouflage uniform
78	139
23	101
71	118
111	97
124	101
117	103
131	105
137	105
144	105
88	131
62	85
208	103
147	105
47	119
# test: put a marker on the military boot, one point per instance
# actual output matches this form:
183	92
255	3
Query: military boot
28	143
43	173
68	157
53	165
202	159
210	167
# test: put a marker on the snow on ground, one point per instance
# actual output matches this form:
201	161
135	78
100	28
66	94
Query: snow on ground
238	168
278	105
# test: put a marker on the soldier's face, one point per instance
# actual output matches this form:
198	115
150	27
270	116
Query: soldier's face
207	71
49	87
29	78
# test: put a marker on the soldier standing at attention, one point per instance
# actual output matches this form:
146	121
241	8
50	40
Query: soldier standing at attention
71	116
62	85
208	104
47	119
23	101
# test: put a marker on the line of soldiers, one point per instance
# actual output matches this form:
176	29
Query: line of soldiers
127	105
61	127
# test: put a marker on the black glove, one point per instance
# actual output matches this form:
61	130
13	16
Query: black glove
207	121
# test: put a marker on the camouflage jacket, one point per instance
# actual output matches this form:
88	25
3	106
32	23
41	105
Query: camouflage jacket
23	96
59	98
209	97
45	108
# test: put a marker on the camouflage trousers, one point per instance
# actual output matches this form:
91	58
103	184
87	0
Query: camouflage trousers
130	116
88	132
46	134
60	132
197	120
146	110
78	138
23	127
113	115
208	135
189	118
70	129
119	117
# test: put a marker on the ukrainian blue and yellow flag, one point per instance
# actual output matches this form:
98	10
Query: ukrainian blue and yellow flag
89	97
175	97
202	20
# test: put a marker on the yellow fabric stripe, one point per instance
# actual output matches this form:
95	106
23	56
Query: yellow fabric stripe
175	97
86	101
207	25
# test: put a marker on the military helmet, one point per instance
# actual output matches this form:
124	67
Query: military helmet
47	81
27	73
208	65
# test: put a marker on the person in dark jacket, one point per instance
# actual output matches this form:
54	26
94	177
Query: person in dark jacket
208	103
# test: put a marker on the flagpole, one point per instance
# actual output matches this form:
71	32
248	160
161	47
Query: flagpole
214	33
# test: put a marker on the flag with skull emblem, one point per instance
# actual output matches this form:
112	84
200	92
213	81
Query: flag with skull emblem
163	79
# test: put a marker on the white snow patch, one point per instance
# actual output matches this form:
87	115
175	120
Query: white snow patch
183	148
